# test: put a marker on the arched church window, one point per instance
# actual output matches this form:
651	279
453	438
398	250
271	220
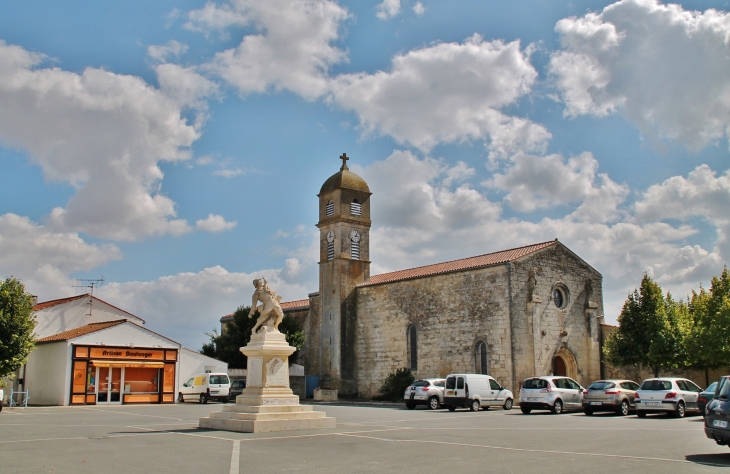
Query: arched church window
412	347
330	209
355	245
355	208
480	358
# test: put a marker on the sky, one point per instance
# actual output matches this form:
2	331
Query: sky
175	148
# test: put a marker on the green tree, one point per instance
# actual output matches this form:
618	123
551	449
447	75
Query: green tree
650	331
16	325
227	346
707	323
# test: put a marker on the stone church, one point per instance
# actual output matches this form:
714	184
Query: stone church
512	314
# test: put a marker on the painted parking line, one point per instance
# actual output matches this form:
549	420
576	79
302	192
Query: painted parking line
504	448
236	457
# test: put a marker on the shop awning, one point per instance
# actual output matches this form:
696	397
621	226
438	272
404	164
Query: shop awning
128	363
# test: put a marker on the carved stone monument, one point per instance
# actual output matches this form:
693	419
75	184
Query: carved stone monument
267	403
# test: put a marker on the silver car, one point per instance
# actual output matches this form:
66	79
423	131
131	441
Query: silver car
552	392
610	395
429	392
675	396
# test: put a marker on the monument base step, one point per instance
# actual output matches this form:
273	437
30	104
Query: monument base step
267	425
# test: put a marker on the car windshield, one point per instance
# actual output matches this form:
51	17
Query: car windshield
656	385
450	383
601	385
712	387
237	384
535	383
420	383
218	379
723	389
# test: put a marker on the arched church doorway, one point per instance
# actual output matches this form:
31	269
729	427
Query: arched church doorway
564	364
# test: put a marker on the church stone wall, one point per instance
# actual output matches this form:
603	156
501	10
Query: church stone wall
540	329
451	313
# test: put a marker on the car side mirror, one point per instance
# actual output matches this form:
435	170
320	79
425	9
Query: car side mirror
185	384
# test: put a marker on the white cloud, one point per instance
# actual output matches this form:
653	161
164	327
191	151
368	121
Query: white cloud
664	67
185	306
226	173
104	133
43	259
419	9
215	223
163	52
450	92
540	182
701	193
387	9
185	86
293	49
418	220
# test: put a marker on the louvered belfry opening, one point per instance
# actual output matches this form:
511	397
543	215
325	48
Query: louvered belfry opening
330	209
355	250
355	208
330	250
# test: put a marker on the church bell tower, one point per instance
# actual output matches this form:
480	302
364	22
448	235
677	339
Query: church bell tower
344	261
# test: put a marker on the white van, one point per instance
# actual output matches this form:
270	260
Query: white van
204	387
475	391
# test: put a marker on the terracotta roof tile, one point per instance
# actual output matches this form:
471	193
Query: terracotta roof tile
495	258
50	304
298	304
80	331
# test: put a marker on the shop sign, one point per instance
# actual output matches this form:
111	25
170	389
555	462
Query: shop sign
126	353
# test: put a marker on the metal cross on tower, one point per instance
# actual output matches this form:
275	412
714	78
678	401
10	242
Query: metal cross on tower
344	159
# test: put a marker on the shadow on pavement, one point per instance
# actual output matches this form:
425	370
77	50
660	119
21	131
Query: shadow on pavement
719	459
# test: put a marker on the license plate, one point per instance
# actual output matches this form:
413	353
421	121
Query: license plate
719	423
532	399
214	392
651	404
450	392
596	403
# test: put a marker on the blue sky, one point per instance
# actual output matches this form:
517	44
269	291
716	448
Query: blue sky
177	147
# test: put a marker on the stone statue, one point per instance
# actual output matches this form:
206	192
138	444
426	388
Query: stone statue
270	313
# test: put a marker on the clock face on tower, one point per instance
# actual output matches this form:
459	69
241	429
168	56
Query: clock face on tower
355	236
330	237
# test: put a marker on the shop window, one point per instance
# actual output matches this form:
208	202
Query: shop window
141	380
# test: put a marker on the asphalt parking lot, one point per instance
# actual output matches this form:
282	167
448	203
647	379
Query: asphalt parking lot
166	439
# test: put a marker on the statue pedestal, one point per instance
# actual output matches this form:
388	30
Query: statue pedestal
267	403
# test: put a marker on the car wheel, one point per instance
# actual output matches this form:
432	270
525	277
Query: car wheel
410	405
623	410
180	398
433	403
203	398
526	411
640	414
475	405
679	412
587	411
508	404
451	407
558	407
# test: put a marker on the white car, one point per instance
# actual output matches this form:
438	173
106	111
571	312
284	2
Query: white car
475	391
675	396
204	387
429	392
554	393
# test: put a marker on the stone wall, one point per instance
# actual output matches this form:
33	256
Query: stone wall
451	313
310	357
540	329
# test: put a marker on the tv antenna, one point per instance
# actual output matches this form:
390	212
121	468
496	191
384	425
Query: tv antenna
89	283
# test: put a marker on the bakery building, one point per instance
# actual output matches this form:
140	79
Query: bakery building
90	352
